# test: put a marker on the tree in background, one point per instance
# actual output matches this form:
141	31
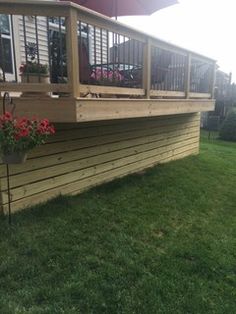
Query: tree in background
228	129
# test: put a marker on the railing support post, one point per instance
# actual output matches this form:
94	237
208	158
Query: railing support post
72	52
147	68
187	76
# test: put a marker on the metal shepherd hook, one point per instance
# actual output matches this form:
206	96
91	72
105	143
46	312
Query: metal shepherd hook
7	100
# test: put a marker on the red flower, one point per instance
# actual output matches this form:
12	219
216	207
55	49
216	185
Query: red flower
51	129
41	130
22	133
6	117
44	123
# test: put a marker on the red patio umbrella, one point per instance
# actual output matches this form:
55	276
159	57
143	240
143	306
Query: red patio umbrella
125	7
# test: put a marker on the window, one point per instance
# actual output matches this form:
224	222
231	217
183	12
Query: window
6	63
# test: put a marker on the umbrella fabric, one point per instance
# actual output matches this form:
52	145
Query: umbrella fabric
125	7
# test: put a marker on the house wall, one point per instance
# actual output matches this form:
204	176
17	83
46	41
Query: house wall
83	155
98	46
17	35
31	37
98	42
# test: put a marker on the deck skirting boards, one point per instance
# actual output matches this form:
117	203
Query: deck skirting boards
83	155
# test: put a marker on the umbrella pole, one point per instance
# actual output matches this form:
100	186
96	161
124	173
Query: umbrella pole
116	8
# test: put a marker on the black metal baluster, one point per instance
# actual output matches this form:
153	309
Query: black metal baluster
174	73
158	71
118	52
101	51
80	50
178	58
13	48
113	56
164	74
185	62
194	75
129	55
61	52
95	50
138	48
152	67
179	82
133	62
155	69
25	45
3	57
142	49
138	65
49	50
37	46
108	57
124	57
87	43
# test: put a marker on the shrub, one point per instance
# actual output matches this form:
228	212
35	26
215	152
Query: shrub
228	129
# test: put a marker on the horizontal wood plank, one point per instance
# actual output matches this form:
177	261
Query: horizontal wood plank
75	187
102	109
81	143
34	87
69	167
166	93
112	90
64	157
37	187
200	95
56	110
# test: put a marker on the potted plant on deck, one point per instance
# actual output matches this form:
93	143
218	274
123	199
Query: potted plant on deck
34	72
19	135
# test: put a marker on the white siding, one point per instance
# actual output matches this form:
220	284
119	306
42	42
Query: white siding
101	44
31	37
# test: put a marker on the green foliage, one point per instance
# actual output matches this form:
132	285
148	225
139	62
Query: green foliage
34	68
159	243
22	134
228	129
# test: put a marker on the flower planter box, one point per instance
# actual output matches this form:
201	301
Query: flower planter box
35	78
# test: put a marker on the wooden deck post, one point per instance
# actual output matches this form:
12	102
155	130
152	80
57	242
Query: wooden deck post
72	52
187	76
147	68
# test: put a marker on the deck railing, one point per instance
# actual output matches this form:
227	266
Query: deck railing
87	53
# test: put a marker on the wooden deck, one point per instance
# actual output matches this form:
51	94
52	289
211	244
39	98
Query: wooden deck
137	74
85	109
121	100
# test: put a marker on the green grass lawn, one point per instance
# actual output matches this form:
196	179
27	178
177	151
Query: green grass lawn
162	242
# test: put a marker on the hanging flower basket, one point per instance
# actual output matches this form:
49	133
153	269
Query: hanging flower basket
19	135
14	158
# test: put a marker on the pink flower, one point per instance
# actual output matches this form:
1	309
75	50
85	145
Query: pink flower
6	117
107	74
